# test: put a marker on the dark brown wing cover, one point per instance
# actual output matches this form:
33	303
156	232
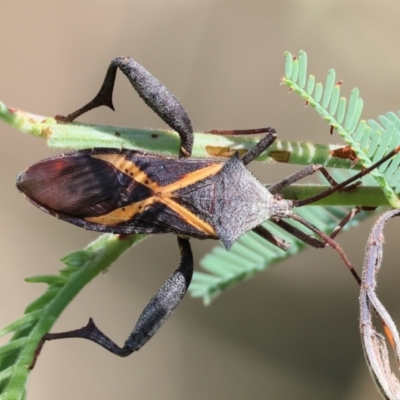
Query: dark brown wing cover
127	191
78	186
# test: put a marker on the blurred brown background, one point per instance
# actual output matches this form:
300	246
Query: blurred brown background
291	333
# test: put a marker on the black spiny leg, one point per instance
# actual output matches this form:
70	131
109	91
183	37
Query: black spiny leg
159	309
347	184
154	94
240	132
262	145
312	241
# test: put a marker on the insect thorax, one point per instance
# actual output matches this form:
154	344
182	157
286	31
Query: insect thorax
236	201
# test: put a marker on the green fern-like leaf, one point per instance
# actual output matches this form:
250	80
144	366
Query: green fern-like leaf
80	268
369	140
251	254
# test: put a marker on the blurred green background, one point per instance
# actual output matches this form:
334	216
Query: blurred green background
291	333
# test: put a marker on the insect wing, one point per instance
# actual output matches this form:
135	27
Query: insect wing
123	191
78	185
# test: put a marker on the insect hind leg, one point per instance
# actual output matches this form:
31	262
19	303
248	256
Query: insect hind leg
153	93
157	311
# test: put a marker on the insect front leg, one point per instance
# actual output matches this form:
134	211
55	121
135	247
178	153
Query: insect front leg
154	94
157	311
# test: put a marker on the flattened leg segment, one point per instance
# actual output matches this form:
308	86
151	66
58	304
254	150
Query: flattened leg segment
160	100
157	311
154	94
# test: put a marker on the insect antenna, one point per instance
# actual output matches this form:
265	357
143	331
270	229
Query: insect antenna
345	185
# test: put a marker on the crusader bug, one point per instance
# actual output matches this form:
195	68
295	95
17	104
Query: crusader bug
126	191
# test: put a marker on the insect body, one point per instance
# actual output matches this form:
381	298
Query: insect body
126	191
130	192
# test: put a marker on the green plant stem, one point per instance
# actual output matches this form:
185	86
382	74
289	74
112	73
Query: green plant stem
106	249
368	196
79	135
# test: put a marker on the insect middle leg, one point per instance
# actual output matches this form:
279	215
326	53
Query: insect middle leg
307	171
157	311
